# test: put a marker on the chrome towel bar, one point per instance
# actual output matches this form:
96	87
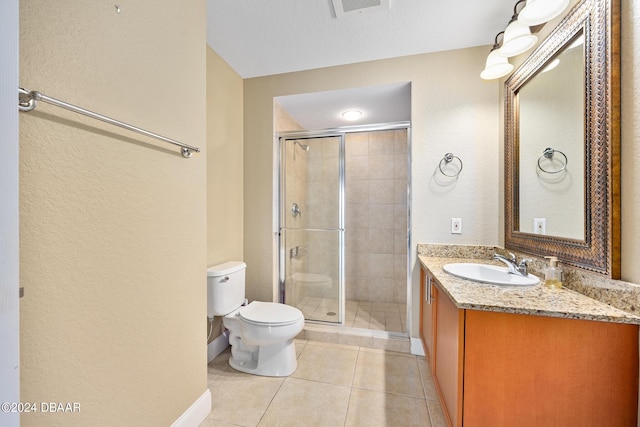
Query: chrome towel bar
28	100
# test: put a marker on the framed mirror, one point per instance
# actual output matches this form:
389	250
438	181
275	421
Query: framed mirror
562	143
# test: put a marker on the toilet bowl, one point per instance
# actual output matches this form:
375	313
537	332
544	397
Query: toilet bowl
260	333
261	338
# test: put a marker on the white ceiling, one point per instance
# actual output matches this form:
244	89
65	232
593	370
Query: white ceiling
322	110
265	37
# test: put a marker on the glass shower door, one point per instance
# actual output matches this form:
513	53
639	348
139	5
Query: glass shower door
312	225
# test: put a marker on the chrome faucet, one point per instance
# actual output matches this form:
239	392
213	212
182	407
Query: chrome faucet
515	267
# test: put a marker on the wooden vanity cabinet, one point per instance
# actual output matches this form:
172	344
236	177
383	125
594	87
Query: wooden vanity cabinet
428	300
442	333
449	356
502	369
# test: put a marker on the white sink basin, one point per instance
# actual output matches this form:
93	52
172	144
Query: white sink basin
485	273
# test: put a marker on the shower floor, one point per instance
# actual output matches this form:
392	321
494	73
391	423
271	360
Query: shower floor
377	316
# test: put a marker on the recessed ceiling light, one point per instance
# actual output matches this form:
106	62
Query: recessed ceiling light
352	114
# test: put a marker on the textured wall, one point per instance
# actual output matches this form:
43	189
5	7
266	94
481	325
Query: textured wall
113	224
224	168
452	110
630	144
224	161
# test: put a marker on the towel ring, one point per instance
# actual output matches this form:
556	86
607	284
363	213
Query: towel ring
448	158
548	154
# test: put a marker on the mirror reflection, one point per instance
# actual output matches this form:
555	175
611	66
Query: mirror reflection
551	151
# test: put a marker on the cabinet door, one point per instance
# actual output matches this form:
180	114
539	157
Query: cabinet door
534	371
428	301
449	358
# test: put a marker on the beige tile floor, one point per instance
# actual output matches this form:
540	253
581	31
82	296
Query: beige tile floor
377	316
334	385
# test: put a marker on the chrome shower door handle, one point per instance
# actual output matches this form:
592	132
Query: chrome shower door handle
295	210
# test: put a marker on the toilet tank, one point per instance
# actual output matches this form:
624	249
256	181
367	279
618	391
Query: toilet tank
225	287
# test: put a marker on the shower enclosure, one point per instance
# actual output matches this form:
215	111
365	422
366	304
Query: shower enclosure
343	226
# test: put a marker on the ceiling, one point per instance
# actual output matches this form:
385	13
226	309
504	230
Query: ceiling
266	37
322	110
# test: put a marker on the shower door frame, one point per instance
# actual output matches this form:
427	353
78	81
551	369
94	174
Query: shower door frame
340	132
297	135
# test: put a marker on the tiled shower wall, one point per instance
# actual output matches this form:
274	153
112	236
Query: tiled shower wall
296	188
376	183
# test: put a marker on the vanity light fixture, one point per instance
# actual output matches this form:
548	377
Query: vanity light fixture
538	12
497	65
517	36
352	115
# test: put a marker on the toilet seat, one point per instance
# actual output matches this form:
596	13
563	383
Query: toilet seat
269	313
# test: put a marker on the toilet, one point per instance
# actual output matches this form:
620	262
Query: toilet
260	333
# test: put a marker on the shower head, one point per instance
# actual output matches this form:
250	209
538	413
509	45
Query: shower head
305	147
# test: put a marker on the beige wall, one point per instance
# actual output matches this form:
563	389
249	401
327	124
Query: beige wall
113	224
452	110
224	167
224	161
630	145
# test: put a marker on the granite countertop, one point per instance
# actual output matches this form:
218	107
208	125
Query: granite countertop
535	300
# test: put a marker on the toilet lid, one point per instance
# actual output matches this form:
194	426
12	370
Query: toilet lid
259	312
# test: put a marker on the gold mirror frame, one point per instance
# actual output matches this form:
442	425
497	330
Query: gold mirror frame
600	250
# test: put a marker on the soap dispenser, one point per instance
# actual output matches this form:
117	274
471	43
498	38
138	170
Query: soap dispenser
553	274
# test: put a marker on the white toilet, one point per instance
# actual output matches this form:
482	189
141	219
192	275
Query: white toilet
260	333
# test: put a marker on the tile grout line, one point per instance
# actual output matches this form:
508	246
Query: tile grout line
279	388
424	390
353	377
274	397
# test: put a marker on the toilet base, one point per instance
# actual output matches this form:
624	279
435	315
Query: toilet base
275	360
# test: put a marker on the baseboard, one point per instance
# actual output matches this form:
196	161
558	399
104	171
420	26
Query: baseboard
217	346
416	347
196	413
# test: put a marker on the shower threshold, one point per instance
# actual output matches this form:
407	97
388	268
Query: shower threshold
338	334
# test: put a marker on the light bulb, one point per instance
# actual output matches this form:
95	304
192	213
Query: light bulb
517	39
497	66
538	12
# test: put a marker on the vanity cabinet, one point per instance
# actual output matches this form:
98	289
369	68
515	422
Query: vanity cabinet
428	300
504	369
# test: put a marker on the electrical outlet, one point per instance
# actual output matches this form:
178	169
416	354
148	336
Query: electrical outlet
456	225
539	225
